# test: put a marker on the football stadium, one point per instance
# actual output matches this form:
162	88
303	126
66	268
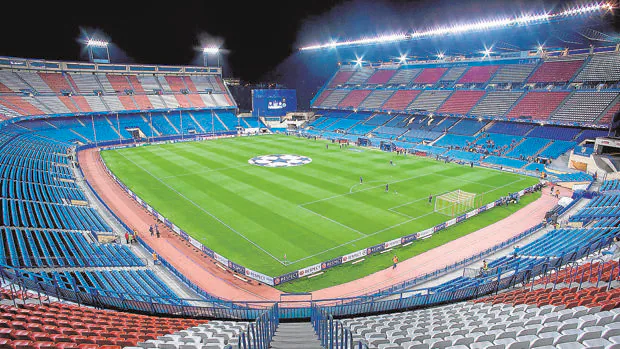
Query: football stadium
365	183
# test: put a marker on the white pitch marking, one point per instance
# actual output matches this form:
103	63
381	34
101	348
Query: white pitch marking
203	210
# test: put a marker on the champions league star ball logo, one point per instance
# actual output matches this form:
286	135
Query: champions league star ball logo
280	160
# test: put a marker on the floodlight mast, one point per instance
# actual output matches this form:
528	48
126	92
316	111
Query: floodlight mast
98	44
213	51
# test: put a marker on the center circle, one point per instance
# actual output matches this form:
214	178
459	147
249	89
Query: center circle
279	160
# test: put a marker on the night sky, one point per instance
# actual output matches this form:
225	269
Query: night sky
257	35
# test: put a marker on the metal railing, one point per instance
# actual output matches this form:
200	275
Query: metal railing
260	332
91	261
332	333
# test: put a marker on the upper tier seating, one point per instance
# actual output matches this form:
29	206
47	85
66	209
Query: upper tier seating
119	83
105	83
453	73
606	119
35	81
603	67
381	76
334	98
12	81
429	100
584	106
376	99
430	75
509	73
400	100
341	77
556	71
56	81
360	76
404	76
478	74
86	83
496	103
354	98
319	100
537	105
461	102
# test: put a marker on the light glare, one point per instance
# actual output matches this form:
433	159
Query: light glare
523	19
210	50
97	43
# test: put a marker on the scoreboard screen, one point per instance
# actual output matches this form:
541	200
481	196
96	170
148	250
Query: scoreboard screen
273	102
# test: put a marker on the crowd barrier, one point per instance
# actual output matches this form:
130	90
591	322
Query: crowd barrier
260	332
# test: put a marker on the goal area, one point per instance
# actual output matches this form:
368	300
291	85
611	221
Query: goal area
457	202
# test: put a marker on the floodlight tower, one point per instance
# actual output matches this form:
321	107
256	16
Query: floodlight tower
213	51
92	44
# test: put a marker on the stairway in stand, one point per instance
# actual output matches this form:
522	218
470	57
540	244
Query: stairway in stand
295	336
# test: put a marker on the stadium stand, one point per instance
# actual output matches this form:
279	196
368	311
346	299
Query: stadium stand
58	325
404	76
340	78
461	102
537	105
513	73
468	126
453	73
375	99
400	100
429	100
496	103
554	132
334	98
354	98
430	75
517	129
601	67
478	74
584	107
360	76
561	70
381	76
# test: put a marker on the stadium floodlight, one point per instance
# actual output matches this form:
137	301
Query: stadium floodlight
519	20
210	50
440	55
403	59
487	51
359	61
98	50
97	43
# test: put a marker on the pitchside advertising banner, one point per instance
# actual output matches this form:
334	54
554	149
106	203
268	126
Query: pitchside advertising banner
273	102
313	269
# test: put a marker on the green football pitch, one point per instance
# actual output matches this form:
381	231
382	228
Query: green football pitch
256	216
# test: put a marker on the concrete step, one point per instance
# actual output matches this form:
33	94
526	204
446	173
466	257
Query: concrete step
295	336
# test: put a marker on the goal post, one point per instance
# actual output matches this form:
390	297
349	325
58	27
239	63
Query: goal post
457	202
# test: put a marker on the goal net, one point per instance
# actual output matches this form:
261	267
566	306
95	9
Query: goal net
456	202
